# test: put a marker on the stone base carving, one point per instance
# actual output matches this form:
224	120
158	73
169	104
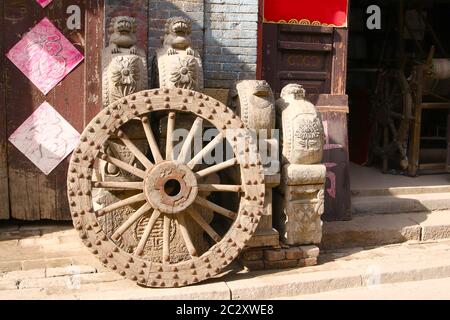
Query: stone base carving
299	204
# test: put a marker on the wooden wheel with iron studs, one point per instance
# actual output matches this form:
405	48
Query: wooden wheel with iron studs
167	190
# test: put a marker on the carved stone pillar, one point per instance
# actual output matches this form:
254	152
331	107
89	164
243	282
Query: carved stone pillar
300	198
255	104
124	71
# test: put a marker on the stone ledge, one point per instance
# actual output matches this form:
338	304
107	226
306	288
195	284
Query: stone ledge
383	229
370	230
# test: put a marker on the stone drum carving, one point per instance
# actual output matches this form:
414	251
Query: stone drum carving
179	66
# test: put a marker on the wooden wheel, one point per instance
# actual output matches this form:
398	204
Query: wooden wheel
392	109
168	192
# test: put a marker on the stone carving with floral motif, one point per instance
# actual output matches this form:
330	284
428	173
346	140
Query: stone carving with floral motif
124	65
299	201
177	64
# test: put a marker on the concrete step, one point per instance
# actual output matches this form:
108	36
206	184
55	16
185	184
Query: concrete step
401	202
396	191
368	230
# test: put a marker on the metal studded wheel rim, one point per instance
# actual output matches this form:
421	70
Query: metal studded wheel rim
132	265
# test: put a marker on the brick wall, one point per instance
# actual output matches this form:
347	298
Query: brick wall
224	31
230	41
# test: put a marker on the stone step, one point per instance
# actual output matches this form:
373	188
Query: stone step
396	191
368	230
401	203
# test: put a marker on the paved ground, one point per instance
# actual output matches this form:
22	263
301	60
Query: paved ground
363	178
49	262
419	290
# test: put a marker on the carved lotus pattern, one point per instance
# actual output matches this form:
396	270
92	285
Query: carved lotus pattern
185	74
308	133
126	74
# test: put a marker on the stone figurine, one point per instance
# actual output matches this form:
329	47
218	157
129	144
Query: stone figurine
299	201
178	65
124	65
254	102
301	125
124	72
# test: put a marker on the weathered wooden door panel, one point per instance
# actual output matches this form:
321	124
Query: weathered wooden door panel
33	195
4	190
316	58
300	54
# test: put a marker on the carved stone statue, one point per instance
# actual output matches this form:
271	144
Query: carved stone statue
254	102
124	65
299	201
178	65
301	125
125	72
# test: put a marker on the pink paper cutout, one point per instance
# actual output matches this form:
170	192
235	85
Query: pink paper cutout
45	138
44	3
45	56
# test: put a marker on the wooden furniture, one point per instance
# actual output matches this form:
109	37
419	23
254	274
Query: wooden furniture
422	102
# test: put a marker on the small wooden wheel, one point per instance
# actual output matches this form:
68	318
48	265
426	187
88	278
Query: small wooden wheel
167	191
392	110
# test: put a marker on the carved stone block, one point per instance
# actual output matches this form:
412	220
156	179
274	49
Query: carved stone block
298	213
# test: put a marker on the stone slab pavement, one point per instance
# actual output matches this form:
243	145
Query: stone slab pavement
419	290
49	262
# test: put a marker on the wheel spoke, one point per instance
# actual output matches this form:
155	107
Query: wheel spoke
151	140
124	227
169	139
123	165
181	220
116	185
120	204
216	208
148	230
135	150
166	239
187	145
217	168
219	188
205	226
209	147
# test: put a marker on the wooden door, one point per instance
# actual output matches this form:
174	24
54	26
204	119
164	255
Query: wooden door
33	195
316	57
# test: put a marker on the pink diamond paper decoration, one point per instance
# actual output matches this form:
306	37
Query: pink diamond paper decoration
45	56
45	138
44	3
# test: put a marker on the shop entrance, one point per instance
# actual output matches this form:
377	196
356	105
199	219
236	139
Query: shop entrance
399	87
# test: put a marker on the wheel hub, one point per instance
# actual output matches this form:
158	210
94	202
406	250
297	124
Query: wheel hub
170	187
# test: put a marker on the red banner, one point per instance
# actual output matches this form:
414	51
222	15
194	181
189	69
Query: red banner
307	12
